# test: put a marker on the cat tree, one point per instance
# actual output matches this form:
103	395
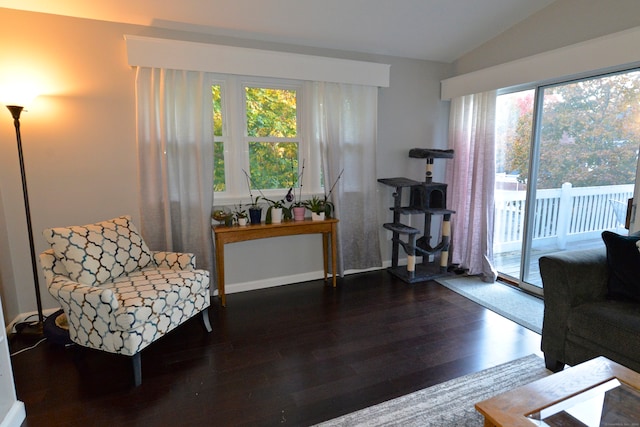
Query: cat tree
428	198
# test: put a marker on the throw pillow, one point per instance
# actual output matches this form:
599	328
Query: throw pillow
623	260
98	253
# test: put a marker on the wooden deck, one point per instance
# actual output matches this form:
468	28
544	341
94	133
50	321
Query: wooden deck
508	263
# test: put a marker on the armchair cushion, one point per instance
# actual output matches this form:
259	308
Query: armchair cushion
101	252
128	314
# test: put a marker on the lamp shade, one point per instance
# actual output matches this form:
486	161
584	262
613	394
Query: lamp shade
18	94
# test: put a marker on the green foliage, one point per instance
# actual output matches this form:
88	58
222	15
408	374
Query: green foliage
590	133
218	146
218	167
271	112
273	165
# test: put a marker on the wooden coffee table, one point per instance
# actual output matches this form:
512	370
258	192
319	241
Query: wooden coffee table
562	393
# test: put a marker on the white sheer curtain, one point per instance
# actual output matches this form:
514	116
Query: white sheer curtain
345	129
175	154
471	178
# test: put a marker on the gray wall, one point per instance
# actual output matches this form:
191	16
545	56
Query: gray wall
80	150
563	23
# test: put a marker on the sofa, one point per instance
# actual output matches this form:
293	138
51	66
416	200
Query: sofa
592	304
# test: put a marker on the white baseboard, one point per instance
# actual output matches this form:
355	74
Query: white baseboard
14	416
231	288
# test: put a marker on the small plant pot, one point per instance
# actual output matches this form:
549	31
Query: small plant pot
276	215
317	216
298	213
242	222
255	214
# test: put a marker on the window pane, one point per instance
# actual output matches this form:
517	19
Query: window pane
590	132
514	121
271	112
218	165
217	110
273	164
218	148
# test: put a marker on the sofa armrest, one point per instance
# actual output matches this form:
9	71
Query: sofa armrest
175	260
572	278
569	279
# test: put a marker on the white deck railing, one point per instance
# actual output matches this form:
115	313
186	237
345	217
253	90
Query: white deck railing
561	215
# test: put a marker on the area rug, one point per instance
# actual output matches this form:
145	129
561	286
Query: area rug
450	403
515	305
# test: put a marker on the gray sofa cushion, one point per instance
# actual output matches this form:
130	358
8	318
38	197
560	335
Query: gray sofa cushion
609	324
623	260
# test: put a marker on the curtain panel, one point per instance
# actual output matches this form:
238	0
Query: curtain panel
471	178
174	115
344	128
175	155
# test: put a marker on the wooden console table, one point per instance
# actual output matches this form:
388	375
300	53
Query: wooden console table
224	234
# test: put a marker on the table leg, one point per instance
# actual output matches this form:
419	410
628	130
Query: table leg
325	253
220	270
334	233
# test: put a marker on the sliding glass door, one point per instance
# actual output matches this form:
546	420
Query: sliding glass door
566	167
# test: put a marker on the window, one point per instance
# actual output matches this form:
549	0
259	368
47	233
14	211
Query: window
258	130
566	161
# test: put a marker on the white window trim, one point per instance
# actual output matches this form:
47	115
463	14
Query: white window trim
193	56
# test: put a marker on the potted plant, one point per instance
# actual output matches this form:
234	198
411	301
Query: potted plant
274	211
322	208
297	208
240	215
223	216
255	210
319	207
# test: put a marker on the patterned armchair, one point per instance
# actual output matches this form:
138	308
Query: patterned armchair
118	295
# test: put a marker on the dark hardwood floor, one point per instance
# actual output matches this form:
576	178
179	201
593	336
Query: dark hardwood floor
291	355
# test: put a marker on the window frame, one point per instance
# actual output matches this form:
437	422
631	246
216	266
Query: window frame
236	140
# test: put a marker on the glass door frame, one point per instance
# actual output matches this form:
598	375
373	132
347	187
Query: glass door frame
529	207
534	159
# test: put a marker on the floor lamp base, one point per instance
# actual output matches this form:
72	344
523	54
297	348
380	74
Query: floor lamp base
30	328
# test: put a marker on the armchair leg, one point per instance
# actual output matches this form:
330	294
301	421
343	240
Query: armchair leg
205	319
137	369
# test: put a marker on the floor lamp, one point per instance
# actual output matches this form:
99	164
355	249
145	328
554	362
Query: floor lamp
27	327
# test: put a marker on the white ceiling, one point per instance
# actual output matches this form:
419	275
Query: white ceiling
438	30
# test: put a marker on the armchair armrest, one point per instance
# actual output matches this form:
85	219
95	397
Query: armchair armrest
569	279
93	303
175	260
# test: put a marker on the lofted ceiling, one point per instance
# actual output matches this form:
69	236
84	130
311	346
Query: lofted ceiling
437	30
